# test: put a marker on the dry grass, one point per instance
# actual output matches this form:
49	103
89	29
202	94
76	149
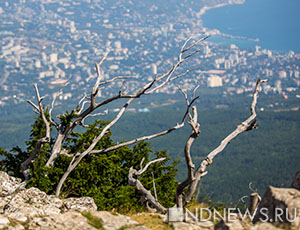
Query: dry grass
152	221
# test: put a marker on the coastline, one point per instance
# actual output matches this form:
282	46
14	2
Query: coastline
230	2
216	32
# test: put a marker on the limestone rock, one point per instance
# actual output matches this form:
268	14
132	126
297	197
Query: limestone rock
188	226
296	181
8	184
280	205
264	226
138	228
31	208
233	225
16	227
113	222
239	225
205	224
79	204
67	221
33	202
4	222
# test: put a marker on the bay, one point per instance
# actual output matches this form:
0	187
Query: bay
276	23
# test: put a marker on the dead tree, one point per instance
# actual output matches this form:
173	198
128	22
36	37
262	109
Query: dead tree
186	189
254	200
82	111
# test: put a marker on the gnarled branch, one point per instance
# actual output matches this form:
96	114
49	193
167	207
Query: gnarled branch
147	89
139	186
192	182
40	142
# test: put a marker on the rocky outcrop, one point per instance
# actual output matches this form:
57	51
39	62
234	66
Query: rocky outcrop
193	226
21	204
8	184
22	208
280	205
113	222
296	181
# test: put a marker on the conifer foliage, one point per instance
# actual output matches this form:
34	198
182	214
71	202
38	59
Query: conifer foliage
101	176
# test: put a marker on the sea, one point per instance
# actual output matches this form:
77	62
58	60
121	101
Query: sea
276	23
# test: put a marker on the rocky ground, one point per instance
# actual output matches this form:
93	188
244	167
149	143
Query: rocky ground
22	208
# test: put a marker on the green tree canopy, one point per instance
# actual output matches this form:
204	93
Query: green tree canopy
101	176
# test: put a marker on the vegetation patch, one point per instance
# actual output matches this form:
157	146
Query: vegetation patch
151	221
92	220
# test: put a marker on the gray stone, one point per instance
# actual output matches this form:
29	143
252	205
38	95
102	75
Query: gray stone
185	226
4	222
8	184
33	202
37	210
16	227
296	181
138	228
264	226
18	216
280	205
113	222
67	221
79	204
205	224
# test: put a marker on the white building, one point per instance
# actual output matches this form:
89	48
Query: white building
214	81
118	44
282	74
154	69
37	64
53	57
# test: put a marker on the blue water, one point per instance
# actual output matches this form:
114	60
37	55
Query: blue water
276	23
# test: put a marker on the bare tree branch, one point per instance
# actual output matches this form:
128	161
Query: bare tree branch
187	153
93	115
178	126
189	104
245	126
169	73
34	105
116	78
40	142
185	73
82	107
154	187
99	78
53	102
136	183
145	90
195	43
82	112
91	151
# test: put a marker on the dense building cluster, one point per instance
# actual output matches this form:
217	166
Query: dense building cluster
52	42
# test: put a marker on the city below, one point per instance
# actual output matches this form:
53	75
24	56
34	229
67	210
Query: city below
53	42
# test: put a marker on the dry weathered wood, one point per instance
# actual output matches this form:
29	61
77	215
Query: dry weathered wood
147	89
139	186
79	156
193	179
88	105
254	202
40	142
193	122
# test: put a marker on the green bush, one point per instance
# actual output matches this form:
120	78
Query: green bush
101	176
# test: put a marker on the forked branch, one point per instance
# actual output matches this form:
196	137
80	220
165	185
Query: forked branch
192	182
147	89
40	142
148	197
